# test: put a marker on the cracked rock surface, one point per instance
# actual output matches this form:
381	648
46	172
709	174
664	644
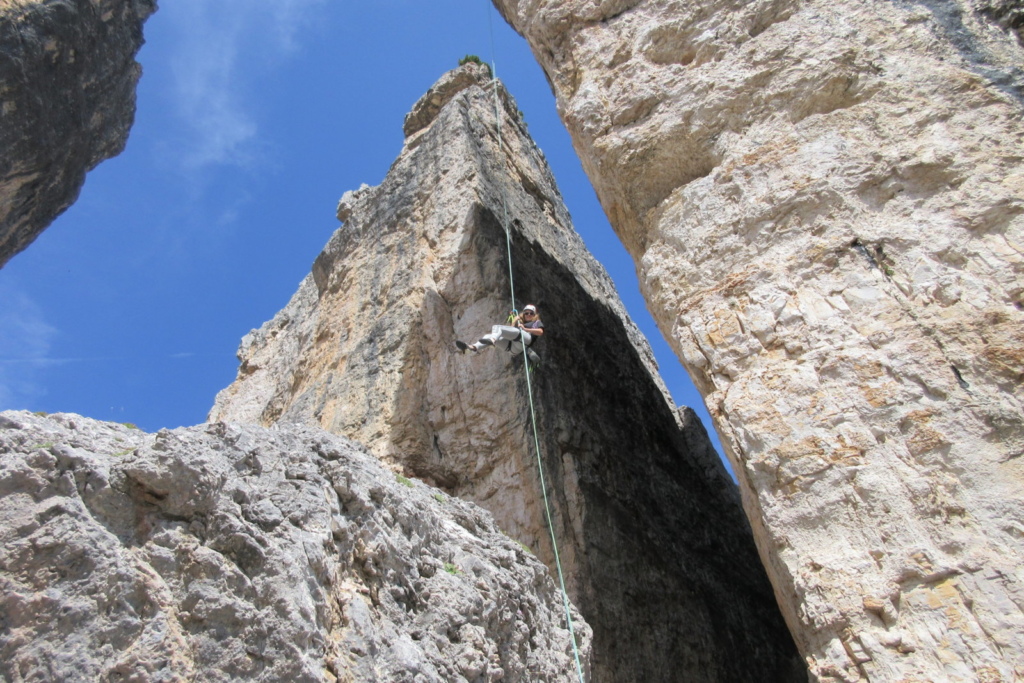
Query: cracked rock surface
227	552
825	204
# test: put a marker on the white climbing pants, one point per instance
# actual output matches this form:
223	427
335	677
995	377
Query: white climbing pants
509	338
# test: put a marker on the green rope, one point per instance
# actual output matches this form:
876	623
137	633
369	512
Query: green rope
504	202
526	368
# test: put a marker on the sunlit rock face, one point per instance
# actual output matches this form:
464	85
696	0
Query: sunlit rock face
656	552
825	203
240	553
67	101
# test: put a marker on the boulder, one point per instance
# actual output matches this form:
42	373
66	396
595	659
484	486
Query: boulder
230	552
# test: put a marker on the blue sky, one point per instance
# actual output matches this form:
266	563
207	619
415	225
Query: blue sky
254	117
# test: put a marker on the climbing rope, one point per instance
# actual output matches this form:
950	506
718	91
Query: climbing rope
526	363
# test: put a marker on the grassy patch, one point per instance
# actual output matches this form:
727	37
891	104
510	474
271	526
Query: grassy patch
439	498
475	60
451	569
404	481
129	425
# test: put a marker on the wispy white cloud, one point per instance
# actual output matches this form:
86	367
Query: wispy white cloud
25	340
221	49
290	17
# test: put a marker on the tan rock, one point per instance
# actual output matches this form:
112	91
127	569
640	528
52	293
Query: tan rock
824	201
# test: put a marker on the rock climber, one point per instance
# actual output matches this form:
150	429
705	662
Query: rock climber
523	329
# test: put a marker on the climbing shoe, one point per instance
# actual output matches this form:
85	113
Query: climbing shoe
463	346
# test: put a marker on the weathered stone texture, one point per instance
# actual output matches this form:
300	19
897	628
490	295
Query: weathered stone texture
656	551
67	102
227	552
1009	14
825	203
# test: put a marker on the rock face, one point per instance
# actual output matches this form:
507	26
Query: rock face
651	536
67	101
227	552
825	203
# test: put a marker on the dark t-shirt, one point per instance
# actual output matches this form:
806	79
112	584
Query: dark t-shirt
533	325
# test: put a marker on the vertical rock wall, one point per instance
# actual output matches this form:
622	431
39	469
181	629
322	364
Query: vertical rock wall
825	204
67	102
657	554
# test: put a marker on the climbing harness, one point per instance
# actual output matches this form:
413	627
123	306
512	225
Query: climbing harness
527	367
509	321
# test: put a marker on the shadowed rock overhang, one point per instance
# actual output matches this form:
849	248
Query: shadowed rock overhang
68	76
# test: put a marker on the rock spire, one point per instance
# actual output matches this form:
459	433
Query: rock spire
658	556
825	203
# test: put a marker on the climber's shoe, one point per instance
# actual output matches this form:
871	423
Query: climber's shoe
463	346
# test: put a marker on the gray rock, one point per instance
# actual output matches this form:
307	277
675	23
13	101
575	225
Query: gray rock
227	552
67	102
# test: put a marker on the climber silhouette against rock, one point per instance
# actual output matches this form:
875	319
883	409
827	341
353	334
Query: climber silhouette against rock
522	330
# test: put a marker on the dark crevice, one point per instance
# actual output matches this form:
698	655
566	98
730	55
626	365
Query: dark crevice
959	378
857	246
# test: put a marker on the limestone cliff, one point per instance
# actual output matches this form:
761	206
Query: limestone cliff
67	101
233	553
825	205
658	556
